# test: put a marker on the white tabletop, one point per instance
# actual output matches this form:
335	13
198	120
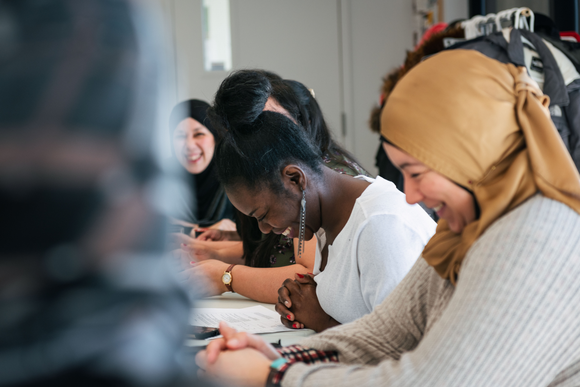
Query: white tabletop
234	300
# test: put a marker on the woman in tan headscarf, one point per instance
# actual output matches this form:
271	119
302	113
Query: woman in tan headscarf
499	144
496	299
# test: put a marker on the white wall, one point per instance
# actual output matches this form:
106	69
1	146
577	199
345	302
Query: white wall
298	40
340	48
380	34
455	9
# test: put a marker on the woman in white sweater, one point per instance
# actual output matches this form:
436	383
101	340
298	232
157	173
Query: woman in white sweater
496	299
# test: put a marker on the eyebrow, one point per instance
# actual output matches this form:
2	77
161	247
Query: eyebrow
405	165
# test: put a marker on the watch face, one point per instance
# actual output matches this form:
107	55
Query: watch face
226	278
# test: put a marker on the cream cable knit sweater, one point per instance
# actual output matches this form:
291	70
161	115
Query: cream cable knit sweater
513	320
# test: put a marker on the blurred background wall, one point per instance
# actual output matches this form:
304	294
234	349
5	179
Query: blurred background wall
339	48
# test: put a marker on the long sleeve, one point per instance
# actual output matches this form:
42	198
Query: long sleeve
396	326
513	319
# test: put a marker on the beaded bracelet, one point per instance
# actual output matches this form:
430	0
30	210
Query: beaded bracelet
277	370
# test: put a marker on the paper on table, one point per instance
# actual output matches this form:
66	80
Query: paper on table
255	319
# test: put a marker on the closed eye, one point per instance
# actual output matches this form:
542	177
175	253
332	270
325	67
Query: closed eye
261	218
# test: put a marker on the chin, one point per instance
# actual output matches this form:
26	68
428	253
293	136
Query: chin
456	228
196	170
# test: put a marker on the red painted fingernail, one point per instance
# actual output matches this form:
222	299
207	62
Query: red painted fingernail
192	263
299	275
289	317
295	325
183	244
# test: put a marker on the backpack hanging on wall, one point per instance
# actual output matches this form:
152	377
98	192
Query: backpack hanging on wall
554	64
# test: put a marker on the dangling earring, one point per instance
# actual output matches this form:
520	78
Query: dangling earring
302	224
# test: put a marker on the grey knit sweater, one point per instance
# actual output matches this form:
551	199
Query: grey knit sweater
512	320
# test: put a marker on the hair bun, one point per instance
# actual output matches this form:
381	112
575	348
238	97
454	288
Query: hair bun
239	100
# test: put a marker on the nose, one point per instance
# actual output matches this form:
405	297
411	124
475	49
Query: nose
191	144
265	228
412	193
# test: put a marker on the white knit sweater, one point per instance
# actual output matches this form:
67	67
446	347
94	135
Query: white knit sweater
512	320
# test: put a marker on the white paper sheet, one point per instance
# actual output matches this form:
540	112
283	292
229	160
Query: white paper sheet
255	319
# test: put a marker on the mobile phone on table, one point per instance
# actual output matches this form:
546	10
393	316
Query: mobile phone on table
202	333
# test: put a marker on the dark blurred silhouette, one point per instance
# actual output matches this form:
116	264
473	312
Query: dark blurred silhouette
86	297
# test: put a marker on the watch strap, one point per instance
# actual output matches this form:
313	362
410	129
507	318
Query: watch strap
229	285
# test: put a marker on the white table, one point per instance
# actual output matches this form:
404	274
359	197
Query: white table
234	300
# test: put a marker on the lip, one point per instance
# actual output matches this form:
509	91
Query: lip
439	209
288	232
193	159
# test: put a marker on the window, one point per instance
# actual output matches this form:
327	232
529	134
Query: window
217	41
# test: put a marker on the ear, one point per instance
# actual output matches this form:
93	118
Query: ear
294	177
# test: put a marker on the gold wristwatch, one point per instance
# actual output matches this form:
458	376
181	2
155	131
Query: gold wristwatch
227	277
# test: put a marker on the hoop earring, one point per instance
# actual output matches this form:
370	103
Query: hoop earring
302	224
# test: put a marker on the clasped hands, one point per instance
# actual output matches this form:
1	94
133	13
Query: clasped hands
237	358
298	305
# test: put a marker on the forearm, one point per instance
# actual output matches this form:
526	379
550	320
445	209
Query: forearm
394	327
229	252
219	245
262	284
330	323
231	236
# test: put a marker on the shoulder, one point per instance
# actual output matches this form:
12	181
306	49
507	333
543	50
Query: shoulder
538	229
380	194
538	215
382	201
382	191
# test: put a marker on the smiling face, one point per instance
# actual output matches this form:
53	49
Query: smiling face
422	184
193	145
276	211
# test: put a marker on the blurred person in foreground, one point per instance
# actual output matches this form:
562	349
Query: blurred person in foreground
86	298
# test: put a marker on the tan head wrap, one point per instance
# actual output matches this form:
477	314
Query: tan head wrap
484	125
